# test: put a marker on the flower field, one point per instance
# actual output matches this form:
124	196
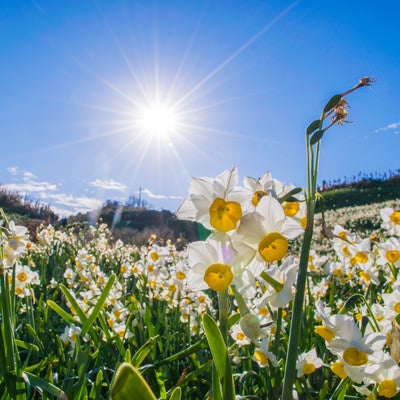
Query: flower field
277	303
84	304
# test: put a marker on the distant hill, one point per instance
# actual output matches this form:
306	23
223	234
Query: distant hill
25	211
136	224
367	190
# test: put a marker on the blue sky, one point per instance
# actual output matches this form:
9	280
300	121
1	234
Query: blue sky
245	78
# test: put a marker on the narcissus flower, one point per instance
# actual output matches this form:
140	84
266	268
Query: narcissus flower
215	203
387	375
212	265
307	363
280	283
259	188
391	220
263	234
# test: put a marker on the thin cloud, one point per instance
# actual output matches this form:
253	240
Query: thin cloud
391	127
30	184
161	196
72	204
108	184
12	170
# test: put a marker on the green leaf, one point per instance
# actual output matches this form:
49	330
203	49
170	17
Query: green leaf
333	102
351	302
313	127
99	305
176	394
144	350
61	312
27	346
316	137
288	196
128	382
70	297
216	343
47	387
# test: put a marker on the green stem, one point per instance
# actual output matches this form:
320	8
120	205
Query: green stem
297	311
223	303
295	324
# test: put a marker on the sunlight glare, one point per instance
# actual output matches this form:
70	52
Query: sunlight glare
158	120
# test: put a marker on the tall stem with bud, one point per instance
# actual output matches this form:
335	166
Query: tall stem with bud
336	107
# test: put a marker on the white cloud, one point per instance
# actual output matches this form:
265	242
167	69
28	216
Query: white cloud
12	170
32	186
109	184
152	195
391	126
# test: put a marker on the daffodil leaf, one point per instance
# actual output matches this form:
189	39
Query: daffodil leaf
333	102
351	302
289	196
128	382
316	137
142	353
313	127
45	386
99	305
176	394
216	343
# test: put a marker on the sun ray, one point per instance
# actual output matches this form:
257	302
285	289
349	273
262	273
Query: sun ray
237	52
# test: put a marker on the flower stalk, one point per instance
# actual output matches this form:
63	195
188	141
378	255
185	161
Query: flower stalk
314	133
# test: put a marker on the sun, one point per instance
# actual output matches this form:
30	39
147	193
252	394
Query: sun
158	120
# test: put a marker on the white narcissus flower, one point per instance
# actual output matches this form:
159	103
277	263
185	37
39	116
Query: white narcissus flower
281	291
356	351
213	264
389	252
262	236
263	356
387	375
24	277
391	220
259	188
307	363
215	203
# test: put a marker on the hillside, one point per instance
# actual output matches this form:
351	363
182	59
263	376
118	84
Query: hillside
367	190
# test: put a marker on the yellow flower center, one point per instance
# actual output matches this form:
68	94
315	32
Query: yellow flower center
123	269
263	311
387	388
355	357
303	222
308	368
397	308
218	277
291	208
258	195
361	257
172	288
154	256
19	290
261	357
365	277
392	255
22	277
180	275
273	247
343	235
395	217
240	336
224	215
338	369
324	332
